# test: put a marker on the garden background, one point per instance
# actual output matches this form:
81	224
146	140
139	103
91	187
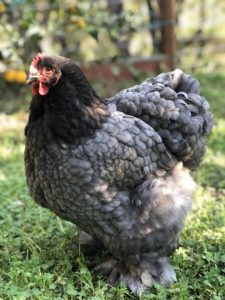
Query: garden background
118	44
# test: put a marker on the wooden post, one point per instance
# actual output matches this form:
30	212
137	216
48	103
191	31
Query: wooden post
168	37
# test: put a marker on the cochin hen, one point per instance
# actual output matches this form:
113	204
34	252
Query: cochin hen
118	169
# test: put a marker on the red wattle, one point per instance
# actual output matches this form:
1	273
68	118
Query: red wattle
34	88
43	89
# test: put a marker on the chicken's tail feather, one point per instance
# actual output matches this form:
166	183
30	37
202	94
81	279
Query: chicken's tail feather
171	103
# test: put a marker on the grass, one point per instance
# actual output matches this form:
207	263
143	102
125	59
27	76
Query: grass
36	257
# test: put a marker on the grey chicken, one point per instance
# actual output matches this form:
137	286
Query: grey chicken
118	169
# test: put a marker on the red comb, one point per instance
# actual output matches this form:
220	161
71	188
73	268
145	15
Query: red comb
38	57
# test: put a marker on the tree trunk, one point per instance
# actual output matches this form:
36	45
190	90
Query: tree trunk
168	38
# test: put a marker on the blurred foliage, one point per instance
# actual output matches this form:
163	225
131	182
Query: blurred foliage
103	31
200	35
82	30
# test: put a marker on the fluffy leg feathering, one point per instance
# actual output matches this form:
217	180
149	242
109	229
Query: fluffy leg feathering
167	199
138	277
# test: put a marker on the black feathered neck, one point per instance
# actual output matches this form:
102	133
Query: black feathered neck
70	110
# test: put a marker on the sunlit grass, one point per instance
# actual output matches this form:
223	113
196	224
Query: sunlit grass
36	257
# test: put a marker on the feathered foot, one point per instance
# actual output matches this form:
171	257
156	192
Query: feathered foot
138	278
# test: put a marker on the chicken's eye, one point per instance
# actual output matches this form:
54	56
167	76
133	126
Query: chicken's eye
48	69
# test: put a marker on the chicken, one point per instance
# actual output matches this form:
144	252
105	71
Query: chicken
119	170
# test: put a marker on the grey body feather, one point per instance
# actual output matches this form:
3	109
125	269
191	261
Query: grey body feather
171	103
123	184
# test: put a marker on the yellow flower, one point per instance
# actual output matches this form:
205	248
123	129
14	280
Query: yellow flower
21	77
10	75
18	76
81	23
2	8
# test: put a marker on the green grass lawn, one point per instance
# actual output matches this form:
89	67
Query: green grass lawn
36	257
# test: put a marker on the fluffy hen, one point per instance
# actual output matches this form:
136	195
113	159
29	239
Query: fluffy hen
118	169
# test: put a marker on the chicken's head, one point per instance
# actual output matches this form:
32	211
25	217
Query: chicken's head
44	73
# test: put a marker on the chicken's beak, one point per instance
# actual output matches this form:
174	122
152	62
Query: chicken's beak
32	78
